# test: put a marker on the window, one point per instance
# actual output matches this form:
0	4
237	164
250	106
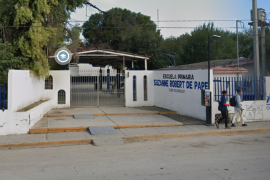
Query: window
134	89
145	87
61	97
49	82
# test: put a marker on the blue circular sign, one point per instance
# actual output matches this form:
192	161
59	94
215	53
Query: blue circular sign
63	56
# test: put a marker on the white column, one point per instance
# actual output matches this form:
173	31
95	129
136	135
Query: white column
145	64
132	64
124	62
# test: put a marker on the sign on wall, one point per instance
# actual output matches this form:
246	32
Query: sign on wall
63	56
180	90
180	82
268	102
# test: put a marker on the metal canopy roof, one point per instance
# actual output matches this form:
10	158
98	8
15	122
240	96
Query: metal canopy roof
106	56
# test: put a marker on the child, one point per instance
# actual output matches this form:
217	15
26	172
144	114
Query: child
224	110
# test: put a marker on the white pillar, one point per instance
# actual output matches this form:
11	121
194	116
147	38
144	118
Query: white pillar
124	62
145	64
132	64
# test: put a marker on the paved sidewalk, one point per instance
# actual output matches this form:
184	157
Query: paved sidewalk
118	117
113	120
149	132
106	110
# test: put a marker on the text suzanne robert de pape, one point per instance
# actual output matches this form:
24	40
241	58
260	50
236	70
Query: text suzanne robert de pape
181	84
185	81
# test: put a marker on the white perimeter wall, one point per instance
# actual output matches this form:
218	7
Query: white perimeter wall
25	89
188	100
185	100
253	110
140	89
61	81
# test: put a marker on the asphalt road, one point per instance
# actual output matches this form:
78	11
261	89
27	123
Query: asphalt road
233	157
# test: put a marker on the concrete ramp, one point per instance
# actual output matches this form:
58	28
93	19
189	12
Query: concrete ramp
83	116
101	130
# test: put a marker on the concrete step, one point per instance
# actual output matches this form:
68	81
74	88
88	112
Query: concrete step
127	135
69	124
111	114
77	129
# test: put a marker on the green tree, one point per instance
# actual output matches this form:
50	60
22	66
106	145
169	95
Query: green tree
8	60
121	29
195	48
245	43
35	28
174	45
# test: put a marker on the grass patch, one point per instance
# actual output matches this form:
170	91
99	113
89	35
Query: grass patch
31	106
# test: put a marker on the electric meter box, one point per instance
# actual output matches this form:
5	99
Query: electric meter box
260	13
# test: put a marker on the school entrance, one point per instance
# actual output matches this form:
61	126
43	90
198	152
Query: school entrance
98	89
95	80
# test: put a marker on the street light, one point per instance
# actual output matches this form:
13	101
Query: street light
213	36
216	36
208	108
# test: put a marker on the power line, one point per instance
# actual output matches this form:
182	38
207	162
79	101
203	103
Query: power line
221	20
200	20
177	27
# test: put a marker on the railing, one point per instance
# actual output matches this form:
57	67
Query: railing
3	98
253	88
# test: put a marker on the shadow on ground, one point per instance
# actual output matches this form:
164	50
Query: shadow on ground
177	117
153	108
184	119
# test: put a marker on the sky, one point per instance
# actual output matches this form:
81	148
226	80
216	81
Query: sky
169	10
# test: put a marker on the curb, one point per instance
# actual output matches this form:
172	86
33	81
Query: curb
143	126
88	141
164	113
199	134
112	114
141	113
76	129
34	144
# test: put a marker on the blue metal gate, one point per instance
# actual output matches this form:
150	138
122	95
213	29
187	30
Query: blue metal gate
3	98
253	88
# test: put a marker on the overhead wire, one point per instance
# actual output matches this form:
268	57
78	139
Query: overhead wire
228	20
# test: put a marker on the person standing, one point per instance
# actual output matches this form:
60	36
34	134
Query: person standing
224	110
238	108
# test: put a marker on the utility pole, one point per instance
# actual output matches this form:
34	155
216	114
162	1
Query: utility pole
263	63
237	44
261	21
255	39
